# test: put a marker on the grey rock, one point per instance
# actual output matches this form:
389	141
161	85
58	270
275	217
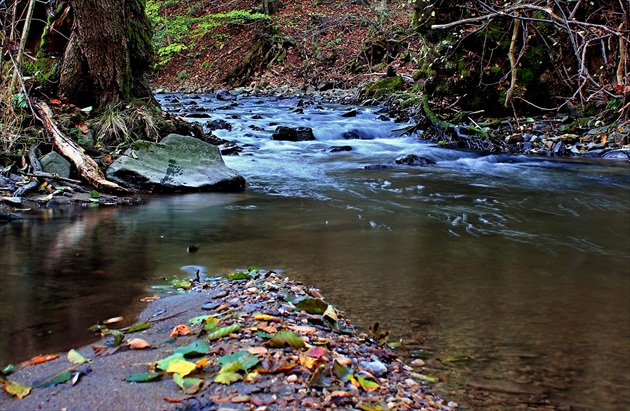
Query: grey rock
622	154
177	163
375	367
55	163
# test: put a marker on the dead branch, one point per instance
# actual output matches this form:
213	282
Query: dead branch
513	65
87	168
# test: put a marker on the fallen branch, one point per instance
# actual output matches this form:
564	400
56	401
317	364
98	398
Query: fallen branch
88	169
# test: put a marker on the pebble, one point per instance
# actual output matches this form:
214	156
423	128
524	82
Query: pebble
376	367
211	305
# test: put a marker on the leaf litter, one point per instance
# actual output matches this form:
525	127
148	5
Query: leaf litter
268	344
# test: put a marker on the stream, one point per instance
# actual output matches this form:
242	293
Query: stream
509	276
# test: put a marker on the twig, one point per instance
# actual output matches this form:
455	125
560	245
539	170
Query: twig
510	91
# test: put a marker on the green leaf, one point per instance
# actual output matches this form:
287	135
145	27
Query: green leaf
458	358
176	364
240	275
197	347
189	385
424	377
264	335
15	389
246	359
199	320
94	194
341	371
118	337
227	378
75	357
137	327
211	325
9	369
144	377
286	338
54	379
222	332
312	306
367	385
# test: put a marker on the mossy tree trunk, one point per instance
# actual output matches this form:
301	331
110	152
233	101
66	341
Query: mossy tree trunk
108	55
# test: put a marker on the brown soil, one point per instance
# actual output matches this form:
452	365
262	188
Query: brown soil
317	43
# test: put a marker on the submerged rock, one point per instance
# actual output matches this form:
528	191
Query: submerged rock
177	163
283	133
414	160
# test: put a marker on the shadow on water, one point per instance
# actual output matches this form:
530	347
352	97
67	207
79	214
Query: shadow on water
510	279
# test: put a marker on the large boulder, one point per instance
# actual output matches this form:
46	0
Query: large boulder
176	164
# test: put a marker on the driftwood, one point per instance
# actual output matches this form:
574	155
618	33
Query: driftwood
88	169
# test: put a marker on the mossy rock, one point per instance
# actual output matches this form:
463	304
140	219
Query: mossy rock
384	87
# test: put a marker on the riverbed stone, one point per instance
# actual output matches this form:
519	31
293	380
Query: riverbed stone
176	164
55	163
283	133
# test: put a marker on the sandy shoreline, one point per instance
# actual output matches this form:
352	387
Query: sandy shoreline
314	366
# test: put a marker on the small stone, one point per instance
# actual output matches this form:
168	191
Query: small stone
211	305
418	363
241	398
292	378
376	367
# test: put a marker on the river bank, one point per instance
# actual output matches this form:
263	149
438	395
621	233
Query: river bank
263	342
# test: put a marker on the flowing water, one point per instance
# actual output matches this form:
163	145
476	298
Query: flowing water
508	276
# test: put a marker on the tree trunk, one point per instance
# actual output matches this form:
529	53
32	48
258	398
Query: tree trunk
109	53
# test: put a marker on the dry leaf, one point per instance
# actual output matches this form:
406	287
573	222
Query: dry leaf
174	400
154	298
257	350
138	343
302	329
40	359
181	329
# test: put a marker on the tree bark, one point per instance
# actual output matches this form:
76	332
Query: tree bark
109	53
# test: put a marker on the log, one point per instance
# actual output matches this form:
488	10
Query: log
86	166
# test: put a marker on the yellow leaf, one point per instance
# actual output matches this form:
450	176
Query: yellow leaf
75	357
18	390
182	367
266	317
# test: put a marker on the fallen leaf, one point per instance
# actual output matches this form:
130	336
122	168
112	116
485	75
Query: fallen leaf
40	359
269	365
146	299
257	350
102	350
181	329
52	380
82	126
228	373
222	332
199	320
174	400
143	377
189	385
176	364
244	358
302	329
197	347
75	357
286	338
241	399
312	305
201	363
138	343
316	352
267	317
138	327
15	389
